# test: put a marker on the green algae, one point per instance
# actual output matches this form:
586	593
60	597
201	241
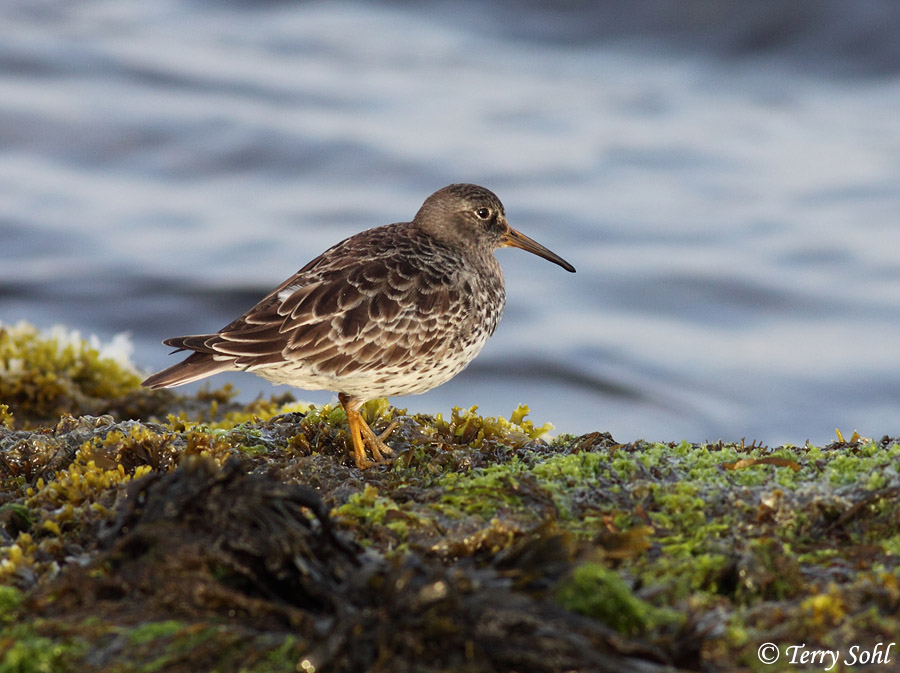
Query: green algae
775	544
706	530
169	645
24	651
10	602
43	375
146	633
469	428
382	519
599	592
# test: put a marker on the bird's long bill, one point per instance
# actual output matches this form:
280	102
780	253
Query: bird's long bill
516	239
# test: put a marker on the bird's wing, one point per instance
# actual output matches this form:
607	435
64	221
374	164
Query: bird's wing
353	309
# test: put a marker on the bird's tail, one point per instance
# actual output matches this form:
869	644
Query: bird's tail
198	365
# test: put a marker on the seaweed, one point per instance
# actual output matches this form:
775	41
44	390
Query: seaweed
214	535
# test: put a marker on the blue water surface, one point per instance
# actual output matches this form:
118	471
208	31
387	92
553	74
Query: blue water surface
725	176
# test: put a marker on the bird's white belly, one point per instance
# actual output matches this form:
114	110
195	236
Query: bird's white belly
385	381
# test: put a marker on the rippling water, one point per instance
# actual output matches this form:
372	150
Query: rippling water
725	176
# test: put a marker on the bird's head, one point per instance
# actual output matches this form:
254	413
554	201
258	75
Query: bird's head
470	216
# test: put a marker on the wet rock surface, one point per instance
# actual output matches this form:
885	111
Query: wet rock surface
215	536
208	543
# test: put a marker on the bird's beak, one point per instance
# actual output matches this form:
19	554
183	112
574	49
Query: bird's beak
515	239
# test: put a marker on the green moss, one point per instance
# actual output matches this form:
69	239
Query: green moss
285	657
152	631
891	545
580	469
10	600
370	511
22	650
797	540
596	591
681	572
863	464
480	492
46	647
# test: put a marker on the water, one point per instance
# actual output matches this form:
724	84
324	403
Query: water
725	177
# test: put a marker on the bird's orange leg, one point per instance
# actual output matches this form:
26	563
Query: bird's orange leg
361	434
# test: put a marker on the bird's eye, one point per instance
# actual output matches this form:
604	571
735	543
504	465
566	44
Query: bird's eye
483	213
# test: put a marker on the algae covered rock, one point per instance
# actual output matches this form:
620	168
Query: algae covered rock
46	374
152	531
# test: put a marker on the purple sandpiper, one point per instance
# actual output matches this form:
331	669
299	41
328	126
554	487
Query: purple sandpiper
394	310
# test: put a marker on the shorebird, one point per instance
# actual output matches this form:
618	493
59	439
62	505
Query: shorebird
394	310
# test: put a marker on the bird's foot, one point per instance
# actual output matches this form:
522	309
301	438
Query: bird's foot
362	437
375	443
